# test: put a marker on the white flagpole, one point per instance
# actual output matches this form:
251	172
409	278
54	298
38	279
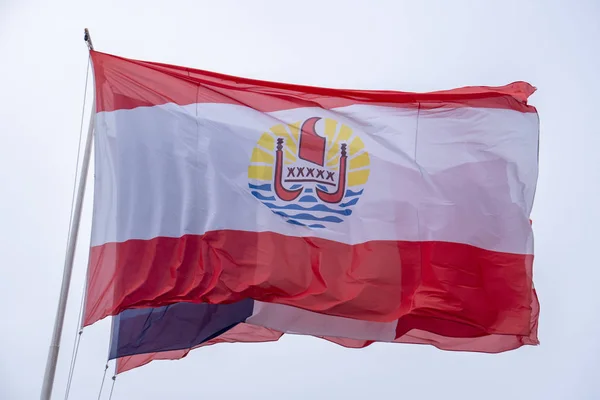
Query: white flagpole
68	266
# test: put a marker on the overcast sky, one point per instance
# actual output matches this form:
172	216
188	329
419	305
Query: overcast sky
402	45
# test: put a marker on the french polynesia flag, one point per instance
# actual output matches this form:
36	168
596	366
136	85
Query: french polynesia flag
377	206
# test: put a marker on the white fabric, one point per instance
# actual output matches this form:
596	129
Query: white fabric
464	175
294	320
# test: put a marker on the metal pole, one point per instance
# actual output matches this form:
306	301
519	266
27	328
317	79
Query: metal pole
70	256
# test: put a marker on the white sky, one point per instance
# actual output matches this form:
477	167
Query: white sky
402	45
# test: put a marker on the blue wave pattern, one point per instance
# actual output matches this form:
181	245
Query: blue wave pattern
261	197
266	187
308	199
308	211
309	217
349	193
318	207
350	203
294	222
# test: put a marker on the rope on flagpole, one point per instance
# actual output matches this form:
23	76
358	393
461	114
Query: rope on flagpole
73	360
79	330
103	379
112	388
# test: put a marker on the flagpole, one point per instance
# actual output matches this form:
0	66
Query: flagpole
70	256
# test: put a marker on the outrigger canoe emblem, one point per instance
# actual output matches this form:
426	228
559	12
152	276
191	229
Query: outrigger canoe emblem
311	149
311	172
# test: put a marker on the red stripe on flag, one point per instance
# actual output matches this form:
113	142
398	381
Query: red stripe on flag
125	84
450	289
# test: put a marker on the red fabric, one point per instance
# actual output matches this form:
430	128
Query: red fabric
118	80
239	333
449	289
493	343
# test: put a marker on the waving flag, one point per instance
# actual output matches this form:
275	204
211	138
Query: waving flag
239	333
389	207
170	332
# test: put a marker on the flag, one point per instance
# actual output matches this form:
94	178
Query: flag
170	332
389	207
240	333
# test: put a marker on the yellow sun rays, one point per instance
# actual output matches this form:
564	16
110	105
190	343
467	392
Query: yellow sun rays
263	159
358	158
